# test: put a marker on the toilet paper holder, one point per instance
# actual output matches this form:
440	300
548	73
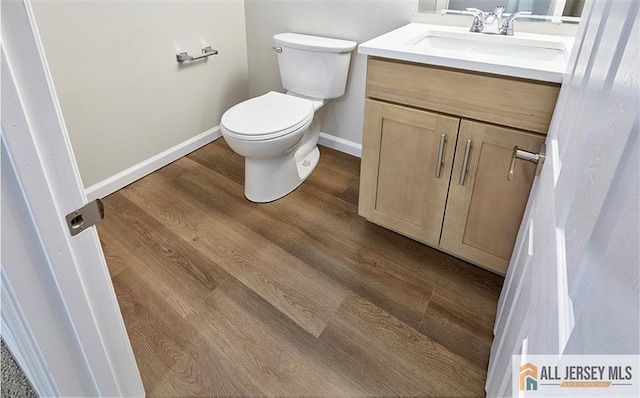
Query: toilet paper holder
206	52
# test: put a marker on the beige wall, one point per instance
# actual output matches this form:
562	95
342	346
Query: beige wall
358	20
123	95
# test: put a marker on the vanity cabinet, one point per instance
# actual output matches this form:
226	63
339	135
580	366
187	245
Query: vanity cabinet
435	156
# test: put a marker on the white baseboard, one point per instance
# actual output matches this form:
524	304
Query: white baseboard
133	173
22	344
340	144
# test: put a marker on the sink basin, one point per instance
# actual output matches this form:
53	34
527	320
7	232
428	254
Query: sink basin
525	55
492	47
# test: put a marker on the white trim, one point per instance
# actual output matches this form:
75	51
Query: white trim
441	5
340	144
558	8
22	344
146	167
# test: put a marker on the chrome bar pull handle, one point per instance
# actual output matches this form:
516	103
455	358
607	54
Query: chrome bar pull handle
206	52
465	162
443	139
537	158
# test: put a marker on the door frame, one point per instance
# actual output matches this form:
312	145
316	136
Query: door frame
35	137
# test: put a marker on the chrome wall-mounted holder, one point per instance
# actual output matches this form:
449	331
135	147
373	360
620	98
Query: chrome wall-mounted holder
206	52
537	158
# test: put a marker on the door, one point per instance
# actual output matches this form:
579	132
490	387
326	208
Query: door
485	209
48	185
406	168
572	285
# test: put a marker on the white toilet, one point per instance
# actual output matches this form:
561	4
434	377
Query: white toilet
278	133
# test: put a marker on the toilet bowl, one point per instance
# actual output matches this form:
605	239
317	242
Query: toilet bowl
278	136
278	133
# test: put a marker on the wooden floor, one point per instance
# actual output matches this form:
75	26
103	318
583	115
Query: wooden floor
299	297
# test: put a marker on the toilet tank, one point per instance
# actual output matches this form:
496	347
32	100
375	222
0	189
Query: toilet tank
313	66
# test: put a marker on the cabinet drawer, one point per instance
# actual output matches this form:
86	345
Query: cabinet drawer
519	103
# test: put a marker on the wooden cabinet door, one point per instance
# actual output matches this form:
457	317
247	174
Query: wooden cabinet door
399	188
484	212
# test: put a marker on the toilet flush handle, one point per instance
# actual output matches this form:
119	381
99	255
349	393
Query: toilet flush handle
277	49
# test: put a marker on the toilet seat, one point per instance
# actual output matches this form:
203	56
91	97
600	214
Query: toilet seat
268	116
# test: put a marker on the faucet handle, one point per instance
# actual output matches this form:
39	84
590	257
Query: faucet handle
498	11
507	27
478	19
519	14
475	11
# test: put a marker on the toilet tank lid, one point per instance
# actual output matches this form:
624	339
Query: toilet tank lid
314	43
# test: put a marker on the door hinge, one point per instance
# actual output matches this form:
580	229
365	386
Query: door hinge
85	217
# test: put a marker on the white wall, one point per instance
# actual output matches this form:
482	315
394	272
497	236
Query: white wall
123	95
358	20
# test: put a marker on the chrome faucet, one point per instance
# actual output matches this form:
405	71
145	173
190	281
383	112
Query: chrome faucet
478	20
492	19
490	22
507	26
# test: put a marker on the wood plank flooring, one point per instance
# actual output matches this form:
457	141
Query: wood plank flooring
299	297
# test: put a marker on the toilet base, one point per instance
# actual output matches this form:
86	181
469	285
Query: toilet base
266	180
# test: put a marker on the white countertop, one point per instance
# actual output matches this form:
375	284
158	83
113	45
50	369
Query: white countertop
515	56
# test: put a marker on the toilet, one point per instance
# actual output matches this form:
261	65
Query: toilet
277	133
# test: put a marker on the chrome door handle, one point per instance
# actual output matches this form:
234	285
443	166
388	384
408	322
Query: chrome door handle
443	139
465	162
537	158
